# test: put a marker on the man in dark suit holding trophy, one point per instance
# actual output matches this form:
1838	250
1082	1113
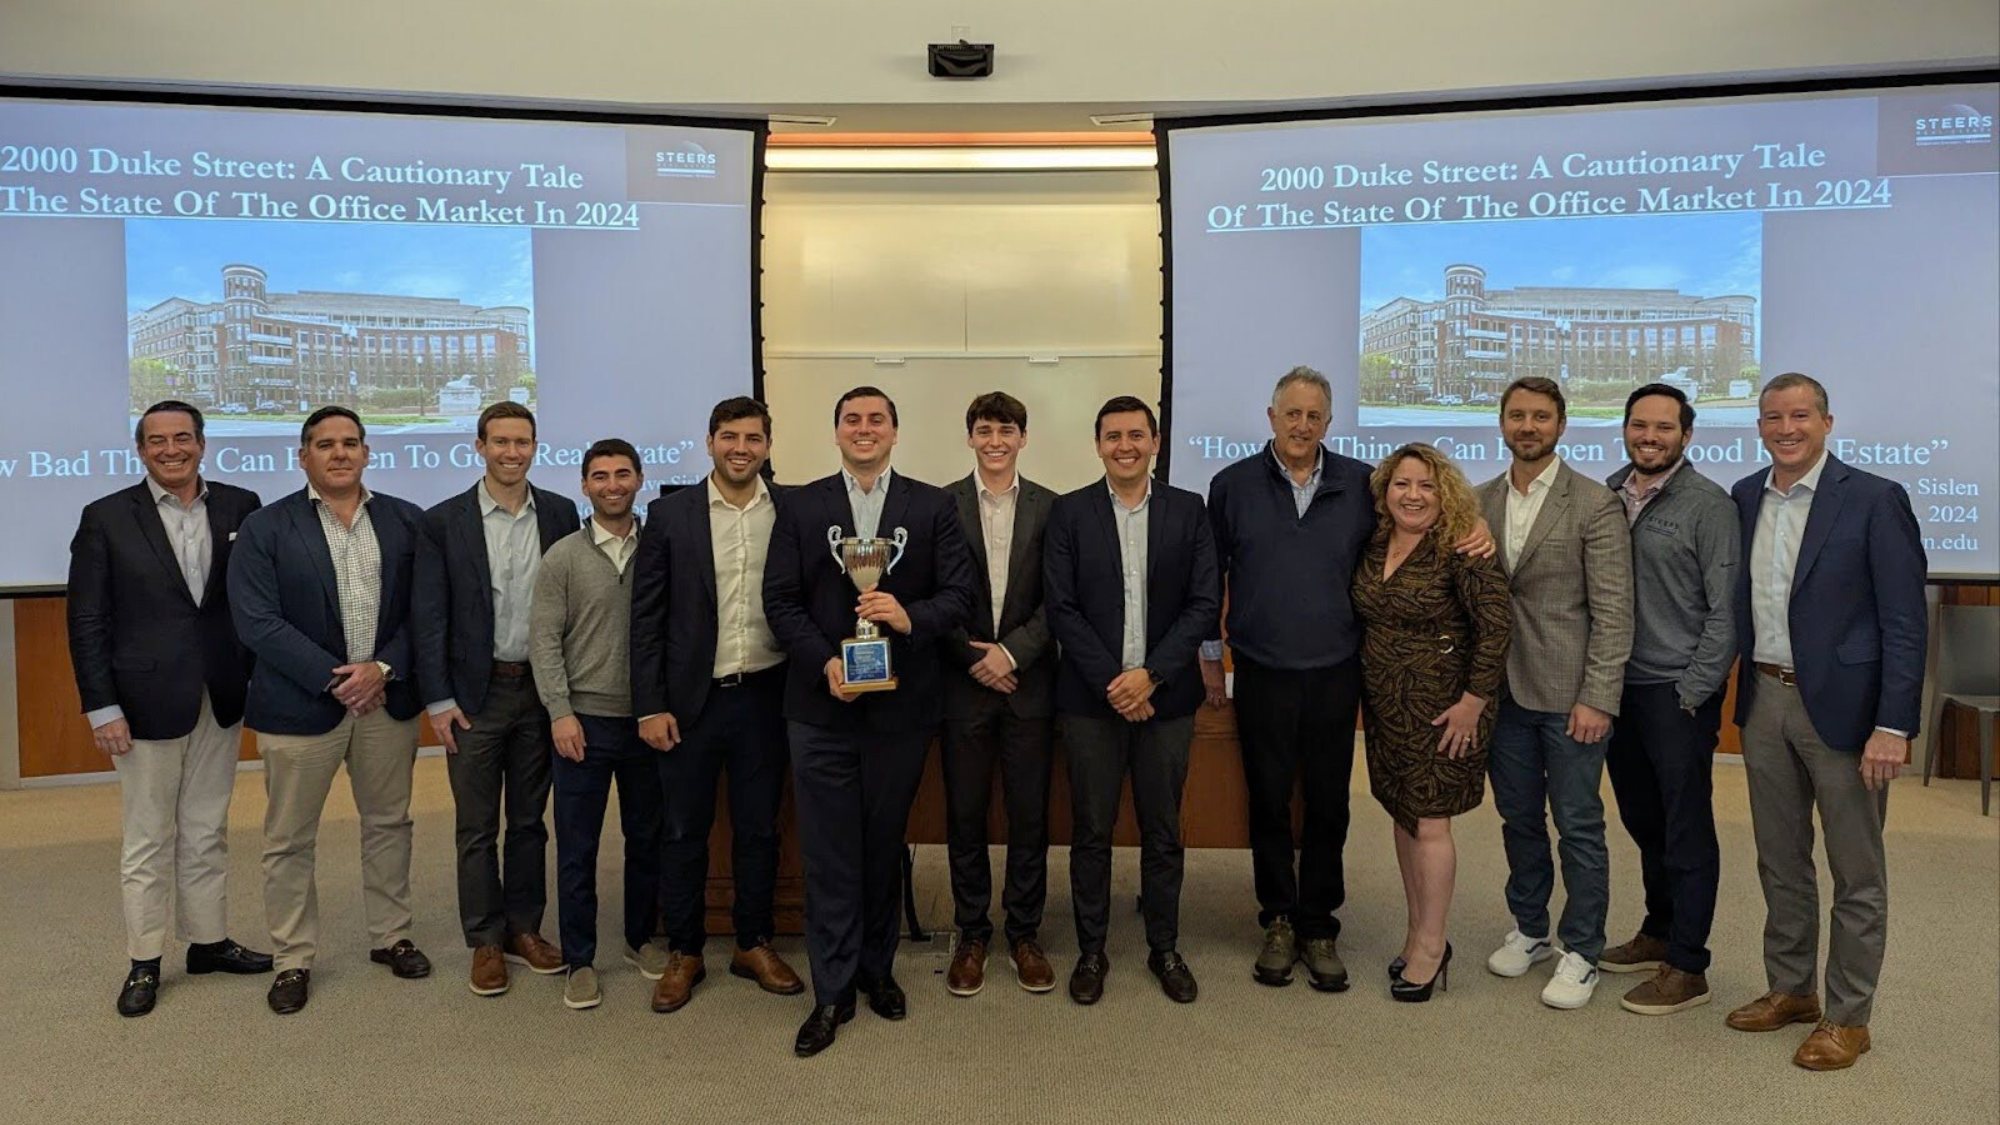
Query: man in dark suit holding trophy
861	713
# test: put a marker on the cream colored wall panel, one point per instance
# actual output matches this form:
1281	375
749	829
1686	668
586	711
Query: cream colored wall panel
900	276
1062	276
841	276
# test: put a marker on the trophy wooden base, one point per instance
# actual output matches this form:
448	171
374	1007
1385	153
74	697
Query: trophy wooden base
879	685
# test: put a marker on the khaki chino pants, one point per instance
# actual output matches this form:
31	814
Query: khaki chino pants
380	753
176	795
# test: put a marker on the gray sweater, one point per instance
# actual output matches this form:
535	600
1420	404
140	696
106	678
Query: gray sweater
580	629
1685	549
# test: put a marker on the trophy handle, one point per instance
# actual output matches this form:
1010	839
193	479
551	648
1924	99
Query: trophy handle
833	538
902	541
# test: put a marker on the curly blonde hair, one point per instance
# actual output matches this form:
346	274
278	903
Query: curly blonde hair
1458	507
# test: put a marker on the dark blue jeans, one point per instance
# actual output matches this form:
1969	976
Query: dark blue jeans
741	729
612	752
1539	772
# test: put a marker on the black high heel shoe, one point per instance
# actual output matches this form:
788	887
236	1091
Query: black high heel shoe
1396	968
1412	993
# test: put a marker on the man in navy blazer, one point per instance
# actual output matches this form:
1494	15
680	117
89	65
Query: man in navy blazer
161	676
708	685
319	585
857	756
1132	588
477	556
1831	626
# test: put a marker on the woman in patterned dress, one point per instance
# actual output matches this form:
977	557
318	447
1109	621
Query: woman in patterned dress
1435	646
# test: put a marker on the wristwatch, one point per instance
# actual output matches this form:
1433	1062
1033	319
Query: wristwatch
1155	677
388	673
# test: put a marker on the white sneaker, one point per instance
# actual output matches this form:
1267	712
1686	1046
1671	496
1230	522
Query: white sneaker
1519	953
1572	984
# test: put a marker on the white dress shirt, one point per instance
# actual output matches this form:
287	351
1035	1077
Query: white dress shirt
618	548
1132	526
996	526
1774	559
866	504
741	539
188	534
357	573
1522	510
513	556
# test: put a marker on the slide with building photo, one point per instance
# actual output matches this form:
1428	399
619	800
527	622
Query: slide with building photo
262	263
1453	313
1425	262
415	328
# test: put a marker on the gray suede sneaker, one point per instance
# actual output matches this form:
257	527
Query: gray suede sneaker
580	990
1281	948
1324	967
650	959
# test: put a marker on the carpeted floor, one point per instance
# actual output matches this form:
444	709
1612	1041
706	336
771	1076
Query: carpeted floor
378	1050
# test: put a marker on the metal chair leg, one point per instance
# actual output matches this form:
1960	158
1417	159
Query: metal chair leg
1985	763
1931	743
915	924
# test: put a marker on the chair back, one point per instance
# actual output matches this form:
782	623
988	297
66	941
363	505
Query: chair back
1969	649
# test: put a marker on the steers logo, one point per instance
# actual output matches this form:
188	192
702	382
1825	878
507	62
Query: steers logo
1955	125
689	159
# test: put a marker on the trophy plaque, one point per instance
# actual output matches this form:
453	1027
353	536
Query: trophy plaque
864	657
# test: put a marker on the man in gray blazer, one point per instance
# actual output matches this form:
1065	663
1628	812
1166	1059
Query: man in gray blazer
1568	553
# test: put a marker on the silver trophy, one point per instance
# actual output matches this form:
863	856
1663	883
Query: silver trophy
864	657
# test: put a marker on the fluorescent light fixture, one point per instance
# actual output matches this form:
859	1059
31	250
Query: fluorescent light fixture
800	119
1107	120
1065	158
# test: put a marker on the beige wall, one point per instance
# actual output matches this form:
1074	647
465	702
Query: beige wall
1103	52
939	287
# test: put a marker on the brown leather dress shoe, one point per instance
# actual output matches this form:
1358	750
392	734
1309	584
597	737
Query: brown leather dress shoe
489	971
762	964
1832	1046
1774	1010
1032	968
676	985
532	951
967	974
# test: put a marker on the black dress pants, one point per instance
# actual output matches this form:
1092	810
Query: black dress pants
1661	763
1297	733
981	734
853	791
1101	753
741	731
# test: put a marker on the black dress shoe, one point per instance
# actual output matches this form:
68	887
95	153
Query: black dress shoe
1086	981
226	956
141	991
816	1034
290	990
1176	979
404	959
885	998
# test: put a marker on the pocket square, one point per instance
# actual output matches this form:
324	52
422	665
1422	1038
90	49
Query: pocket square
232	537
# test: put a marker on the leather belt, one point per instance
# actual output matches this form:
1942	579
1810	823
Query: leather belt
1785	676
738	679
512	669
